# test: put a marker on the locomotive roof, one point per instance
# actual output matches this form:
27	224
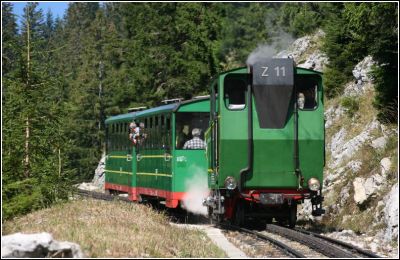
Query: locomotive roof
152	111
298	69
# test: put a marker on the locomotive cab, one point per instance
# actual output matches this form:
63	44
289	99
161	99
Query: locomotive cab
266	144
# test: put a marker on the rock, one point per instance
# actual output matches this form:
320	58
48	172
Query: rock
363	82
316	61
99	175
354	166
373	246
357	89
379	143
392	213
65	249
362	69
337	141
98	180
379	212
87	186
363	189
38	246
298	47
333	114
373	183
341	150
344	194
360	194
385	166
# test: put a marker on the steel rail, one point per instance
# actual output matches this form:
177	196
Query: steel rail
341	243
284	248
317	244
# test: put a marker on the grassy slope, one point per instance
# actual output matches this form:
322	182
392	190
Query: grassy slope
115	229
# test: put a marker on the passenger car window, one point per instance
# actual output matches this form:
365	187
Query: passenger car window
186	122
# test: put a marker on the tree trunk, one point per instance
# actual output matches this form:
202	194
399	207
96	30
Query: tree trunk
27	126
26	161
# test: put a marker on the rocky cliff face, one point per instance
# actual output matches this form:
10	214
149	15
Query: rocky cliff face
361	184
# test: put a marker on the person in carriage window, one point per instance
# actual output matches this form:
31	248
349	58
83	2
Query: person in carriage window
134	132
195	142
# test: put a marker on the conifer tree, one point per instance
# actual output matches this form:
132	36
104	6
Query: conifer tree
34	141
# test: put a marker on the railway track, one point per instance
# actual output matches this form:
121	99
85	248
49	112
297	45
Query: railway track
327	246
354	249
100	196
304	244
297	243
265	240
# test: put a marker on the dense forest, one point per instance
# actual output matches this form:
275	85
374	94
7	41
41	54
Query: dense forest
61	78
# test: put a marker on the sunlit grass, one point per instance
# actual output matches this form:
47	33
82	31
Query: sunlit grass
115	229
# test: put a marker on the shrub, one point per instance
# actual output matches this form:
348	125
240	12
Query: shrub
351	105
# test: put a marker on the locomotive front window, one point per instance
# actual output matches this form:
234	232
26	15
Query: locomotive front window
307	93
185	123
235	92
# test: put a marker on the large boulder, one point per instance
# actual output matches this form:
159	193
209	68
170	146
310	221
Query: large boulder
37	246
365	188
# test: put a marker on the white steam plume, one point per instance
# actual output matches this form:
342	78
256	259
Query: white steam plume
280	42
196	189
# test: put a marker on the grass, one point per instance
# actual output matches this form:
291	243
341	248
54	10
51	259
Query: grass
115	229
351	105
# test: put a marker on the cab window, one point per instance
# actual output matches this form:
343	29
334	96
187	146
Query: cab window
235	92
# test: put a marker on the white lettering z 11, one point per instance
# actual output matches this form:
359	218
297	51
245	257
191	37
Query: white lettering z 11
264	74
277	71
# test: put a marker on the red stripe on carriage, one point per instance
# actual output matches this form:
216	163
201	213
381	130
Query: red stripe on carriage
112	186
171	198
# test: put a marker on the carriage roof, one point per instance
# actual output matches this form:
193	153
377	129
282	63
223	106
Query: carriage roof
153	111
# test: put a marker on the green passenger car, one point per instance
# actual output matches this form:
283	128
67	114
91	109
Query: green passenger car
157	167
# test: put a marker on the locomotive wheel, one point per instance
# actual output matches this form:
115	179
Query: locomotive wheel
292	215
